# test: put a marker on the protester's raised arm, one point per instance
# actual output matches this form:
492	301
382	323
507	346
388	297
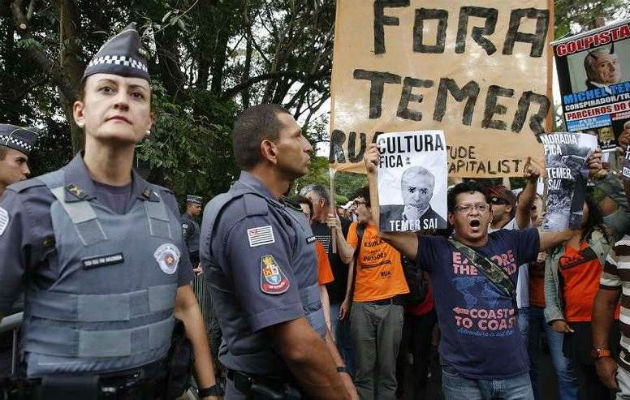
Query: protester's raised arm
528	195
404	242
552	239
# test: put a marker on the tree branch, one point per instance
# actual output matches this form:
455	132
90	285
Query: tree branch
229	93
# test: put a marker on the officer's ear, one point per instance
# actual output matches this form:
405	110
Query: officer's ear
78	113
268	151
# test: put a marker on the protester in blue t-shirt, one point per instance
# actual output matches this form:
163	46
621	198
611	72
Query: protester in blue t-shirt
483	354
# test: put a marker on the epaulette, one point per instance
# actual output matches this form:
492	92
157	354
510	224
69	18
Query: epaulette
291	204
24	185
255	205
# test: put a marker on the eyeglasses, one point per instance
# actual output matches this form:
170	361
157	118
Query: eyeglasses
499	201
468	208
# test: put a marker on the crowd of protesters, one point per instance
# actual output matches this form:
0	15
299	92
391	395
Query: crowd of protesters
391	330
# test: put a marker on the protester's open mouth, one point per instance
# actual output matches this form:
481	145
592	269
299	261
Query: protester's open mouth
475	223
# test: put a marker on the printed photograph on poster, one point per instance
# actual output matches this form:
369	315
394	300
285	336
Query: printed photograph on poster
565	155
412	181
594	78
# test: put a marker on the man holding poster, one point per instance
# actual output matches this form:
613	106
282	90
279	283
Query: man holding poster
473	275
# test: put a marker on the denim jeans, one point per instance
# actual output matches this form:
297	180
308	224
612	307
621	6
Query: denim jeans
567	381
523	322
342	336
376	335
458	387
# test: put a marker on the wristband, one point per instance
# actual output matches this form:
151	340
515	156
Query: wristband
342	369
214	390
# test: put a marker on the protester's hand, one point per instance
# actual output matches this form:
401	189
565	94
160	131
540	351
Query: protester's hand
561	326
347	382
198	270
333	221
542	256
371	159
606	371
344	309
530	171
624	140
595	166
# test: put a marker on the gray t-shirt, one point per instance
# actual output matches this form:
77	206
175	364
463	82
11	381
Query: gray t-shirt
116	198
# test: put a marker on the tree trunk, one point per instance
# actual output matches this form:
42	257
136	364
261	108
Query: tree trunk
69	56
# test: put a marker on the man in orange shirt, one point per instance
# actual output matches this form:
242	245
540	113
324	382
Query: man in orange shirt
376	318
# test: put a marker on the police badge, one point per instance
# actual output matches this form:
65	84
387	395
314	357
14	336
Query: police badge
272	278
167	257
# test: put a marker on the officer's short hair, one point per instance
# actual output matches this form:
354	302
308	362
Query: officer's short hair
319	190
252	126
3	152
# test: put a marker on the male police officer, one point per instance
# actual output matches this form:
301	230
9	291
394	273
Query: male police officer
190	227
98	251
15	145
262	270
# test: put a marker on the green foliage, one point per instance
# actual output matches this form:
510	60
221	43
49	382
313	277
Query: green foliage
575	16
192	154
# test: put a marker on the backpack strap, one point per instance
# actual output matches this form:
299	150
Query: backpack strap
492	271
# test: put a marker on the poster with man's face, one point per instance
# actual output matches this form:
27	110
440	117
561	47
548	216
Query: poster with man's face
594	77
412	181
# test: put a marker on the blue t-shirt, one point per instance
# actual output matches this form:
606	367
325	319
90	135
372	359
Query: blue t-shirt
480	336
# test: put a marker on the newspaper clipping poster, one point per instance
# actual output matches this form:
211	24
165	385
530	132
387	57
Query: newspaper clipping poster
478	70
625	172
412	181
566	155
594	77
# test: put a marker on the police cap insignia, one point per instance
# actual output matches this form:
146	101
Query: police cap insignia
272	279
121	55
18	138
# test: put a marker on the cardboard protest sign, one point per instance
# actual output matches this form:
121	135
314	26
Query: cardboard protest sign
566	155
478	71
594	77
412	181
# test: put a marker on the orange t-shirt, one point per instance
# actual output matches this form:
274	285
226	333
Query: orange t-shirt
379	270
537	284
324	272
581	271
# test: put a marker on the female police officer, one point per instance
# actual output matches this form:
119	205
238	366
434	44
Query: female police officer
99	252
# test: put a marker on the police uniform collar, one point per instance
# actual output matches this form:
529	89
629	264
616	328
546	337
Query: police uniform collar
250	180
79	185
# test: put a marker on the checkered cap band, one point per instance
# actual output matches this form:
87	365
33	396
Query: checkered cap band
15	143
119	60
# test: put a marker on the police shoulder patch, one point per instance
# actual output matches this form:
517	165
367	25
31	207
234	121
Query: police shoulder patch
4	220
272	279
167	257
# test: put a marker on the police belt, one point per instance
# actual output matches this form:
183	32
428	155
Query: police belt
144	382
265	387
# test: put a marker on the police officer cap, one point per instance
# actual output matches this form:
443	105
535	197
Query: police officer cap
194	199
121	55
17	138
